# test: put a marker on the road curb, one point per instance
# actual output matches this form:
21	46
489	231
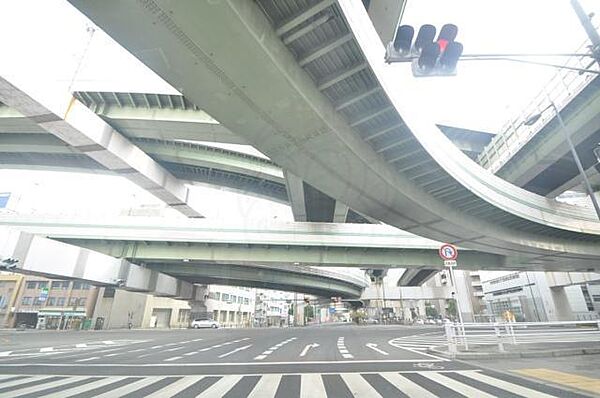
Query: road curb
514	355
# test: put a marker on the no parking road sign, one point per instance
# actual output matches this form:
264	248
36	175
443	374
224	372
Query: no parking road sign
448	253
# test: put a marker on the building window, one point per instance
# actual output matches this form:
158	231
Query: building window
31	285
81	301
42	285
60	285
233	299
37	301
27	300
246	301
60	301
596	297
183	316
225	297
214	295
51	301
78	285
73	301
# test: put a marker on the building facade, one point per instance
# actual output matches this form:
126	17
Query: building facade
542	297
42	303
272	308
120	309
10	284
231	306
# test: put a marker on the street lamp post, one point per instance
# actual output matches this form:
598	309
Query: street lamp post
531	120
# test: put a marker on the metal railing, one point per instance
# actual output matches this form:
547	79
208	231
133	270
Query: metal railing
515	333
561	89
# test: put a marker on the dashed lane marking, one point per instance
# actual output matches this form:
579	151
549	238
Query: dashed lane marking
235	351
87	359
341	345
272	349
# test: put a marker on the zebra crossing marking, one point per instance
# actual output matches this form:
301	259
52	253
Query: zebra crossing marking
415	383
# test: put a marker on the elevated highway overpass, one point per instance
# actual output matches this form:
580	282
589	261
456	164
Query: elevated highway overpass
158	240
318	99
179	136
50	258
537	157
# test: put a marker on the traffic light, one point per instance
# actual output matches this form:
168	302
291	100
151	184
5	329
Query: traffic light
429	56
403	39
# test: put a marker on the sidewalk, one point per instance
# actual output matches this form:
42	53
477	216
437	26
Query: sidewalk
580	373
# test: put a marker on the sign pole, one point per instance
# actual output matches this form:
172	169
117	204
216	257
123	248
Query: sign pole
449	253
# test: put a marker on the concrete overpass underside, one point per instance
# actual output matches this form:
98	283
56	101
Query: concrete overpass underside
296	279
334	116
175	278
544	165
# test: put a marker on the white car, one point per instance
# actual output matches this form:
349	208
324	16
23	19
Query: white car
205	323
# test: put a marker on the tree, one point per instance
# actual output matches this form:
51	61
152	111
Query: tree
431	311
451	309
309	312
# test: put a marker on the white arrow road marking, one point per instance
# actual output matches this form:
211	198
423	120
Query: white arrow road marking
46	349
373	346
81	345
5	353
307	348
234	351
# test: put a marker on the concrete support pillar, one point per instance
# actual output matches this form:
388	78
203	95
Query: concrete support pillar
299	313
560	304
197	304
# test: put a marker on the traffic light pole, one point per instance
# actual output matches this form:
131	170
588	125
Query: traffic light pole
507	57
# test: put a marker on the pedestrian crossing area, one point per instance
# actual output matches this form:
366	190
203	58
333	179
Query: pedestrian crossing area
462	383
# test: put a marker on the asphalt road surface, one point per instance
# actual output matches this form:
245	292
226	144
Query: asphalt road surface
329	361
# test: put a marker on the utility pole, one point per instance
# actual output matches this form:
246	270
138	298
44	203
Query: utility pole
586	22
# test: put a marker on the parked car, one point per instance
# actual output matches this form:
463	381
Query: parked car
205	323
419	322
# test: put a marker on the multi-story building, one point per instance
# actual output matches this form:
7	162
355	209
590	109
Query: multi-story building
272	308
541	296
231	306
118	309
9	291
53	304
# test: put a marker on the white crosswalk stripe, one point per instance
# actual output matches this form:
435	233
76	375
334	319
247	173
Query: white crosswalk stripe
409	388
175	387
221	387
266	387
359	387
74	391
311	386
39	387
414	384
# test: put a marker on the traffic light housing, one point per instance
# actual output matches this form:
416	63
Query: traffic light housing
429	56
